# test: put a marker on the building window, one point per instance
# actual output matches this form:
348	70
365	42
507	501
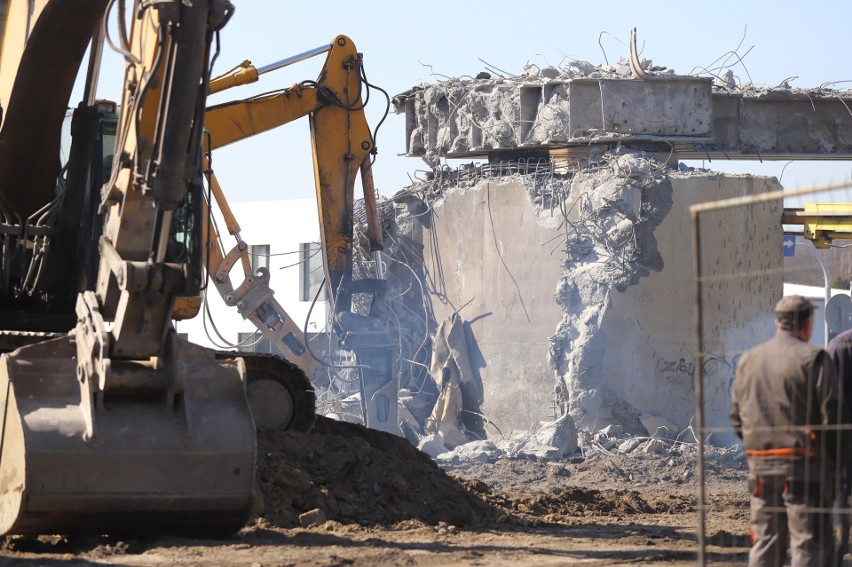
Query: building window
259	254
310	270
254	342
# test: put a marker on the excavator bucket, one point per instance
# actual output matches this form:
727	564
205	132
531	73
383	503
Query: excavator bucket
167	451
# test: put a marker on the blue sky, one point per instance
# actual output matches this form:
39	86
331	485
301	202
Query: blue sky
405	42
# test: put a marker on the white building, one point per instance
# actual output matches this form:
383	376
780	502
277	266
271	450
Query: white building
282	235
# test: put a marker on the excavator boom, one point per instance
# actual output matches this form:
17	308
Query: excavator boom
342	146
340	139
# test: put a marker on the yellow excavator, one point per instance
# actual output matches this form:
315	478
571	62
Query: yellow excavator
343	146
118	425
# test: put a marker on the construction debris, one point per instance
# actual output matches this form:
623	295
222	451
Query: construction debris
573	280
621	461
581	104
455	419
349	474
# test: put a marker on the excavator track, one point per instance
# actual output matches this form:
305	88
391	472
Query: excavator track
279	393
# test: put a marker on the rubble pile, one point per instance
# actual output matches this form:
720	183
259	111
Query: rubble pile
352	474
349	474
614	460
552	441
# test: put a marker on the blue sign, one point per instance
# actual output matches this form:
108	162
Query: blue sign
789	245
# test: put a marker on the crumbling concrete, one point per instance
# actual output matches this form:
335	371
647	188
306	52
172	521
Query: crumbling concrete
623	349
491	256
580	104
576	288
568	255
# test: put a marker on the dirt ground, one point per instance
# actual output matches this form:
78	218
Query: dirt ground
368	498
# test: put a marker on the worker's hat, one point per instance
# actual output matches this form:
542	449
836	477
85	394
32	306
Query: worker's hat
793	309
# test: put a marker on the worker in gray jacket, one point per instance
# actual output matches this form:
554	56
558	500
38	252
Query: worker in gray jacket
785	407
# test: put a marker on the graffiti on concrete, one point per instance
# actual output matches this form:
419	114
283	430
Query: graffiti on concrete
667	367
678	371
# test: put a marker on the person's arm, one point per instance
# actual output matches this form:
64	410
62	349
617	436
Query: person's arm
734	414
840	352
834	408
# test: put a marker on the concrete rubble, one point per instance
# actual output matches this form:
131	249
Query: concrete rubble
575	291
628	460
581	104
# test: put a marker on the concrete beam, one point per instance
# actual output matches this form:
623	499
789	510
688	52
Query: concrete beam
506	118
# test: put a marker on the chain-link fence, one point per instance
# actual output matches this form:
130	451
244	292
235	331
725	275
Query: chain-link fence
758	380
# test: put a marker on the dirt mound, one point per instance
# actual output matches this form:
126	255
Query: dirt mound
589	502
578	502
357	475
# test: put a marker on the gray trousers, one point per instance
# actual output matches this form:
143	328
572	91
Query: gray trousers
790	511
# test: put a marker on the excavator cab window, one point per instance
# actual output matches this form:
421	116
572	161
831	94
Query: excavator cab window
185	234
180	248
106	144
87	147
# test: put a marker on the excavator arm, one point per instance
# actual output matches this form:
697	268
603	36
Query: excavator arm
338	125
155	175
341	141
342	145
119	425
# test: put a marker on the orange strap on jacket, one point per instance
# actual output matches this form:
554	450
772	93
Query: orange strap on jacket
783	452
